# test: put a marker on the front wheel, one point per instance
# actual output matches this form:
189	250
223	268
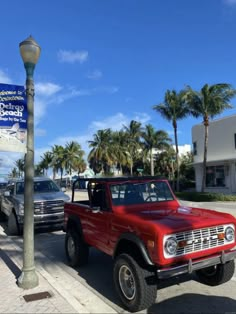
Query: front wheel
216	275
135	285
77	251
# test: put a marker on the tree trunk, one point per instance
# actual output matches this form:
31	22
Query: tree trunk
131	168
206	124
152	163
176	155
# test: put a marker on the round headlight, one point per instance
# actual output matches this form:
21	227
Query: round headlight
171	246
229	234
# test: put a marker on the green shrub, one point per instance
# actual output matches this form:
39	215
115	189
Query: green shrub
205	197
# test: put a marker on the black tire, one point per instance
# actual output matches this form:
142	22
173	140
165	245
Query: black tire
135	285
77	251
2	216
216	275
12	224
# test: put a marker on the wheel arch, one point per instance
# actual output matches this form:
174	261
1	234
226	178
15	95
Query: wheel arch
133	245
74	223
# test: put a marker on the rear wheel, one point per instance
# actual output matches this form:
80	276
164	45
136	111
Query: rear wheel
216	275
134	284
77	251
2	216
12	225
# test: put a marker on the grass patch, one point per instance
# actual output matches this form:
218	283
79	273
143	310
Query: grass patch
205	197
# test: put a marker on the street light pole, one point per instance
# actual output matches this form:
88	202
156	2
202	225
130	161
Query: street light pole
28	279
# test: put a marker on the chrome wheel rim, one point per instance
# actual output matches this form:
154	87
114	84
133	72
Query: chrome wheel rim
127	282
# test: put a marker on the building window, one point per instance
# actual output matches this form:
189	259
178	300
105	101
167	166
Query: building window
235	140
194	148
215	176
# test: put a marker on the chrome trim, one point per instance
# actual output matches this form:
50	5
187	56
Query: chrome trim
191	266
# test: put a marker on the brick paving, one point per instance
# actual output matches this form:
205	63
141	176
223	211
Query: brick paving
68	294
11	296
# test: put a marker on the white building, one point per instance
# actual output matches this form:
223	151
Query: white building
221	155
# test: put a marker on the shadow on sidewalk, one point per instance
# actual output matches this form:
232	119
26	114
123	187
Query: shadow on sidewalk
194	303
10	264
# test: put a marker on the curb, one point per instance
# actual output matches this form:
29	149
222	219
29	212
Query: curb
71	290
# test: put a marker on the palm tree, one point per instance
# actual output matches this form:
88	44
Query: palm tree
79	165
58	160
119	149
73	156
173	109
20	164
13	173
165	165
211	101
154	139
133	133
46	162
101	151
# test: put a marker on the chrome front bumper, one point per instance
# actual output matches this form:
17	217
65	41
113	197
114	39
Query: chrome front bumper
191	266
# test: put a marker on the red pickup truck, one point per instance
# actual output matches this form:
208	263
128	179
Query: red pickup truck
150	235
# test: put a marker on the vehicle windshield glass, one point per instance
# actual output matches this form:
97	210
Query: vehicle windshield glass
39	187
3	186
130	193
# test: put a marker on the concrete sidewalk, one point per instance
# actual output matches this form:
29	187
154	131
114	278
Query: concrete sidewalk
67	294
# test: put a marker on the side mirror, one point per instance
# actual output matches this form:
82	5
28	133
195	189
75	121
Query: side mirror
63	189
6	193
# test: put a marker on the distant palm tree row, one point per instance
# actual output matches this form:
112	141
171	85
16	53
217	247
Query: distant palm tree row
133	145
141	149
60	159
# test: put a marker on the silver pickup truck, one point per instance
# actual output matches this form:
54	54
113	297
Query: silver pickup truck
48	204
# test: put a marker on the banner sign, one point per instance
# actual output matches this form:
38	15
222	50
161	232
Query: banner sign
13	118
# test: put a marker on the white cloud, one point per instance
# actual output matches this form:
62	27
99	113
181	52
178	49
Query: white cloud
106	89
117	121
4	78
47	89
7	161
39	110
73	92
72	57
40	132
94	75
171	132
230	2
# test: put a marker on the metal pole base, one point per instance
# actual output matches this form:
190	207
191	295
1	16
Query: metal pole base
28	279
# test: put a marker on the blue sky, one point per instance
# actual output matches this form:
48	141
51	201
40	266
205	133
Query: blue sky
106	62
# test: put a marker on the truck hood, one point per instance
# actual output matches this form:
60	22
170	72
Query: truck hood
42	197
170	220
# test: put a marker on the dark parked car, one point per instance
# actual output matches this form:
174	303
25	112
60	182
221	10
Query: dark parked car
48	204
3	186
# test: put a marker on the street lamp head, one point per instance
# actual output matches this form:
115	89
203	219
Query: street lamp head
29	51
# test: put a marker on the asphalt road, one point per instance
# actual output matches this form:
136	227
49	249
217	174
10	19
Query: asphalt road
178	295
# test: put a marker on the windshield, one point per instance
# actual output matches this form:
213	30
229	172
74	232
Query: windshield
3	185
139	193
39	187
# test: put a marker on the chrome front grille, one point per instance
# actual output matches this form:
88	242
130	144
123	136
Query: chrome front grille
48	207
200	239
